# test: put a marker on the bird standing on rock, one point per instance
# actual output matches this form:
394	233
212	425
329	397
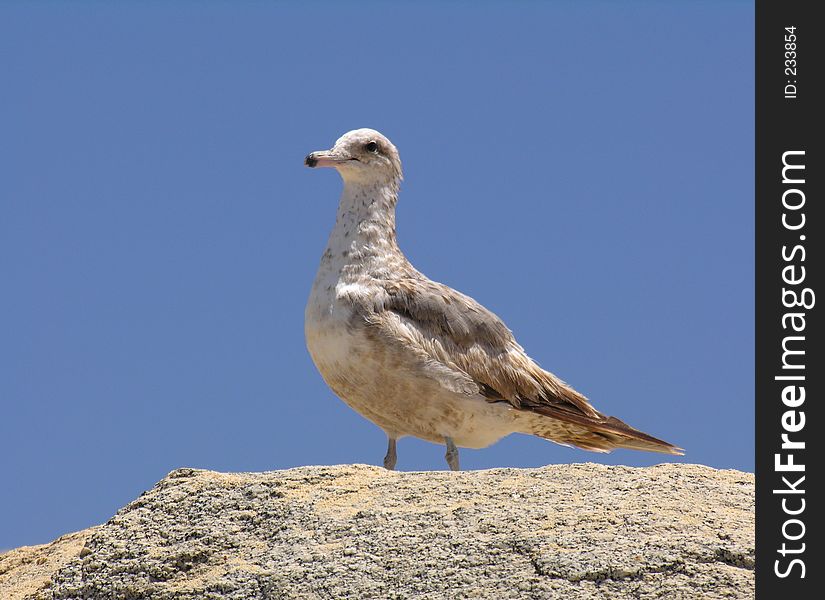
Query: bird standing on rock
416	357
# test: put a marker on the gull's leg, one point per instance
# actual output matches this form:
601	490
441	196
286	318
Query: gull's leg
391	457
452	455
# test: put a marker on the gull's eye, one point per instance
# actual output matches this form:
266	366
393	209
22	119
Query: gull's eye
371	147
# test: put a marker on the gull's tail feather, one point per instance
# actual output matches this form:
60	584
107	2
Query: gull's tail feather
598	434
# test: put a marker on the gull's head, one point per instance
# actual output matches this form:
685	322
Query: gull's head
361	156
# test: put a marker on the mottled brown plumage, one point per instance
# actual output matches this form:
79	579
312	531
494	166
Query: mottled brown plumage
417	357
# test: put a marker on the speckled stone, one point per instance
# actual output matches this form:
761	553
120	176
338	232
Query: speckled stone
580	531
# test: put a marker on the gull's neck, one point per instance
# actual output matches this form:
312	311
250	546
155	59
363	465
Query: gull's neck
365	224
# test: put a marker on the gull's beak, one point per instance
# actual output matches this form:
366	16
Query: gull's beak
325	158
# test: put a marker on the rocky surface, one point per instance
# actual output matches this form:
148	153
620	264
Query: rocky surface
28	570
563	531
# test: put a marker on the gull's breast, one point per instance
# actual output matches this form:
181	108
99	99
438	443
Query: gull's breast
388	386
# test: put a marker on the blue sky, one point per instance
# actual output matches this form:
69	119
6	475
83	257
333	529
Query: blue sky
584	169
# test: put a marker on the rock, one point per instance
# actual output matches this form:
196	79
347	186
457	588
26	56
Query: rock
568	531
27	570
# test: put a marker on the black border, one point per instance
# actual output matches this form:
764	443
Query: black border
785	124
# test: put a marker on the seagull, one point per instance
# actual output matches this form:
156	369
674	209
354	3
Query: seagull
416	357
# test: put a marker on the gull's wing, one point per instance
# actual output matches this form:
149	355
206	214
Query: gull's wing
458	332
469	348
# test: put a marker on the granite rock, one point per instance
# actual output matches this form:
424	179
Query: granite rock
582	531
